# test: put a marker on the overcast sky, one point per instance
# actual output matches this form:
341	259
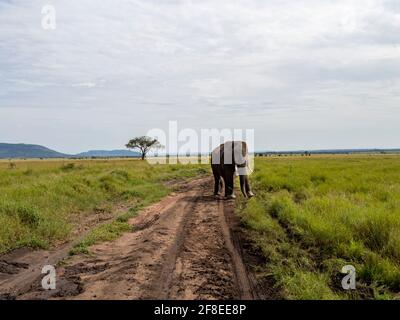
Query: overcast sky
306	74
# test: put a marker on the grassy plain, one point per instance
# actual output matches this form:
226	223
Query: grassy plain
313	215
43	201
310	217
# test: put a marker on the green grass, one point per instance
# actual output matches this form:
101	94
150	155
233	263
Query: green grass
105	232
312	216
41	202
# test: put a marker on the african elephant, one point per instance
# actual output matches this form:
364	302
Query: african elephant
224	161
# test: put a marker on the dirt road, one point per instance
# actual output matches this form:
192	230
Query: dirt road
179	248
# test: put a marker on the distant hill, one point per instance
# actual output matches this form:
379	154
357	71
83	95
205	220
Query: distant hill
21	150
108	154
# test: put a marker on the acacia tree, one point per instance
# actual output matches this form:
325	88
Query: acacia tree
144	144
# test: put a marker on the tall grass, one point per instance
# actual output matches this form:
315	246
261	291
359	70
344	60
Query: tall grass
41	201
314	215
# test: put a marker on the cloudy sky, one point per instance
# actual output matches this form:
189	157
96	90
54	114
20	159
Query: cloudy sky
303	74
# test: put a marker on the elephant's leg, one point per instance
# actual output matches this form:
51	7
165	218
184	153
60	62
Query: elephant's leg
229	184
242	179
247	187
217	182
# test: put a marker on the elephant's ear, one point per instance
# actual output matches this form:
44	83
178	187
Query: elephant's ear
216	155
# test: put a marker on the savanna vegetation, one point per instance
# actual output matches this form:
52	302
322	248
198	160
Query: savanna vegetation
313	215
310	217
42	202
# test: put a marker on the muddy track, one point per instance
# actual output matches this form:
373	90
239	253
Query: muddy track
179	248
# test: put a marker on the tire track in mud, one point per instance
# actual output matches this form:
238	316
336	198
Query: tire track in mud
203	269
226	214
179	248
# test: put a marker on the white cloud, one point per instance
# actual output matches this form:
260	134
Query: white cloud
85	84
